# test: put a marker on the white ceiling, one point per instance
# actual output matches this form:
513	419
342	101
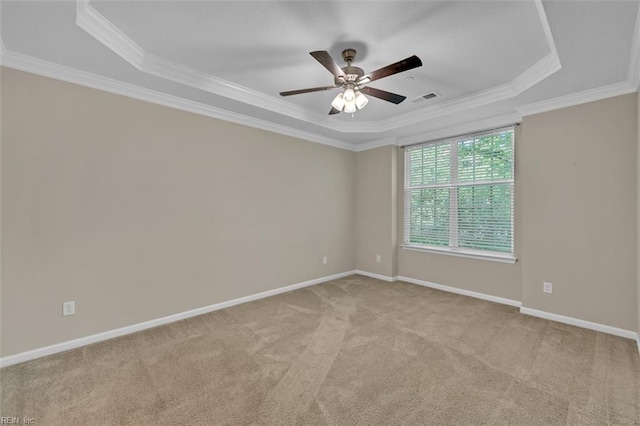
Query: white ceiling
491	62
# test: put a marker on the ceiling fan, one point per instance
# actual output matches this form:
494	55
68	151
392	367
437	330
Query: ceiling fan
353	80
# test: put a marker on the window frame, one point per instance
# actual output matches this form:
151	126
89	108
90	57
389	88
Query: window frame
505	257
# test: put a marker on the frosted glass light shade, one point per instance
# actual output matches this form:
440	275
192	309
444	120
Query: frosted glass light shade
349	95
361	100
350	107
338	102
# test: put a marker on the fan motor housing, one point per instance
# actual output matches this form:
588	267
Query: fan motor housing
352	73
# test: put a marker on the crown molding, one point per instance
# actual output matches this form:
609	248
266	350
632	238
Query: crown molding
634	60
99	27
541	70
469	127
591	95
375	144
472	126
108	34
529	78
534	75
546	27
453	106
49	69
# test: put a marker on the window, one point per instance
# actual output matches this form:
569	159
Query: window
459	195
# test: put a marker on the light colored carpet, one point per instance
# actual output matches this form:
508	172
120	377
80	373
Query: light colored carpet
354	351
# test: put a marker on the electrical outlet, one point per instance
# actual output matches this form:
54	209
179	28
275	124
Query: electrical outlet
68	308
547	287
325	260
378	258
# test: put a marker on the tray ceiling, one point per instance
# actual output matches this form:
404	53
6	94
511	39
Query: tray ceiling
488	61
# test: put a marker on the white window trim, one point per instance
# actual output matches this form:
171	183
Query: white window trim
469	254
457	251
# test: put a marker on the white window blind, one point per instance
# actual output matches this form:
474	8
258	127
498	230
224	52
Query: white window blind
459	194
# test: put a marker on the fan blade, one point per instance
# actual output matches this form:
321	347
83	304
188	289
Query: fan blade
312	89
334	111
401	66
382	94
327	61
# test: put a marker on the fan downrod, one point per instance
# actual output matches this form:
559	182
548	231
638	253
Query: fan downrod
352	73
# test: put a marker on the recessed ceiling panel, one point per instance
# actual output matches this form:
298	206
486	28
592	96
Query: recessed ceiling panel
465	47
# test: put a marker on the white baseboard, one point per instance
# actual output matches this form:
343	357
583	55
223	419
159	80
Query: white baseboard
94	338
463	292
376	276
528	311
581	323
87	340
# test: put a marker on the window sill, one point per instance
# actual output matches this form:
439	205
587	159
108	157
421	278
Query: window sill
506	258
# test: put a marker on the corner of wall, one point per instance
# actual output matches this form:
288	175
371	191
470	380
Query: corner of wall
394	210
638	216
376	233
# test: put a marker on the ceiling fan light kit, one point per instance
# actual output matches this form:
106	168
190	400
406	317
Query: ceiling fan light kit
353	80
349	101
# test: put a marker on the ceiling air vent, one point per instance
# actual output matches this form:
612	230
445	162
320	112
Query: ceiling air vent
426	97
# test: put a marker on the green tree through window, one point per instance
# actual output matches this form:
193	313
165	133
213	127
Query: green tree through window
459	193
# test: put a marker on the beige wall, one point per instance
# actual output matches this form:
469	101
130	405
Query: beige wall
578	190
376	180
638	217
482	276
575	218
1	244
138	211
